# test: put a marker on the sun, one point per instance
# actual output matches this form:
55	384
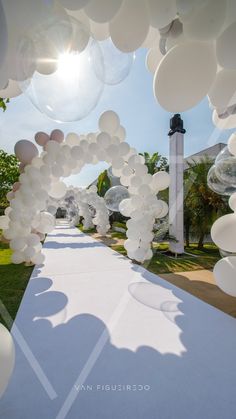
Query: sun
71	65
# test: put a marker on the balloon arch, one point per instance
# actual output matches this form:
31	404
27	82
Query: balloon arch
28	217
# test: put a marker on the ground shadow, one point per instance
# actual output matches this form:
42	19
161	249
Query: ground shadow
117	382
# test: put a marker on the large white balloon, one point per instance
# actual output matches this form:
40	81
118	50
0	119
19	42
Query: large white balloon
224	123
153	58
102	11
74	4
223	232
109	122
25	151
58	190
225	47
11	90
188	70
162	12
223	91
206	21
225	275
7	358
116	65
130	26
100	31
3	36
160	181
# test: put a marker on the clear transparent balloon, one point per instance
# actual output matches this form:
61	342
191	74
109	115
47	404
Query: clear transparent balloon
217	185
58	74
225	168
116	65
114	196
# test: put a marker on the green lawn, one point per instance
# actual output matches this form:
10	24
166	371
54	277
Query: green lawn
13	281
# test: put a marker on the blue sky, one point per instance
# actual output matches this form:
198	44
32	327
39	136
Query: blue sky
146	123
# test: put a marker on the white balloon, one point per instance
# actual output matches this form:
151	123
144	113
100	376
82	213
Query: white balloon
3	36
121	133
162	12
11	90
7	358
223	232
152	38
164	210
57	190
224	123
103	139
223	90
153	58
4	222
131	245
160	181
33	240
225	275
232	202
25	151
99	30
17	257
109	122
38	258
232	144
18	243
129	29
74	4
190	61
206	21
225	48
126	207
102	11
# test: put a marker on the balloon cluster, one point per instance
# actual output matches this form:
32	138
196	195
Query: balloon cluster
222	180
62	75
31	212
97	40
93	209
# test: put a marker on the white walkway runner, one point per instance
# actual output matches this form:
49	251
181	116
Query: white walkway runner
103	338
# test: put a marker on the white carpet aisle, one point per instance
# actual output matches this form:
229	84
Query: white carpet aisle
99	337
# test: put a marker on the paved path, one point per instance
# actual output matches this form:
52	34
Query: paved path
99	337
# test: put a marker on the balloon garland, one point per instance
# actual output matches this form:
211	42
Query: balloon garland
222	180
64	76
31	212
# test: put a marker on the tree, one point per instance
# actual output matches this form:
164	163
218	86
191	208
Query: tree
3	103
103	183
202	206
155	162
9	174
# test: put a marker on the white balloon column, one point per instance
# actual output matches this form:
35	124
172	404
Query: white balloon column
31	212
191	52
222	179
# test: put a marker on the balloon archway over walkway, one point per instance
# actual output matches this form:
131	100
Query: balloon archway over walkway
27	220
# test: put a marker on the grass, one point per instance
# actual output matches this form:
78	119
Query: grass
13	281
161	263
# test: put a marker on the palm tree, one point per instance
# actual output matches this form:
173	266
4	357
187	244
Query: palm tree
103	183
155	162
202	206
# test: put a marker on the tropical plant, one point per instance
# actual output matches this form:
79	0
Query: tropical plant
202	206
103	183
155	162
3	103
9	174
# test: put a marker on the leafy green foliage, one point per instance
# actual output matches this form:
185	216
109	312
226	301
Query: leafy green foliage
9	174
3	103
155	162
201	206
103	183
